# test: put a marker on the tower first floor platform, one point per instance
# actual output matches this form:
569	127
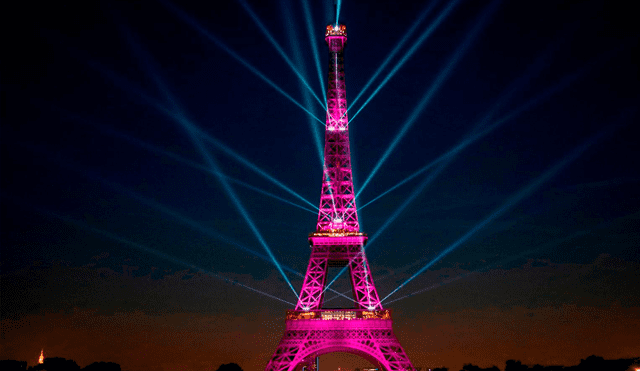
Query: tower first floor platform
309	334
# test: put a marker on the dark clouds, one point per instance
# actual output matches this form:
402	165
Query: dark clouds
539	312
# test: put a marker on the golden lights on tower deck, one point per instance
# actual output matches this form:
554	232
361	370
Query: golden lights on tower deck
340	314
336	30
41	358
336	233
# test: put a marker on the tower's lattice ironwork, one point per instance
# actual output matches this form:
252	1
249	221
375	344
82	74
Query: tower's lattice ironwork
365	330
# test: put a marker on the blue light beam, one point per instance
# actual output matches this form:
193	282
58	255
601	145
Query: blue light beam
297	55
416	192
314	47
481	129
426	98
503	261
155	252
278	48
174	116
196	226
512	201
157	150
416	45
397	48
236	156
190	222
193	133
162	152
398	211
204	32
158	206
180	118
193	224
175	260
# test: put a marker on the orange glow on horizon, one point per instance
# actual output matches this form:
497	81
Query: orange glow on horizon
457	332
41	358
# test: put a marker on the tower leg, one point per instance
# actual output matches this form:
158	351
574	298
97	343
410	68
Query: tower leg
312	291
364	290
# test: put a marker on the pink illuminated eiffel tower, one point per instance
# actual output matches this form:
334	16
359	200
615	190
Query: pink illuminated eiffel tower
365	330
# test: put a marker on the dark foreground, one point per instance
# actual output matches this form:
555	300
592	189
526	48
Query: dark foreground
592	363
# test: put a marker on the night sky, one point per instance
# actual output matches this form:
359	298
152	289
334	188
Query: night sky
121	243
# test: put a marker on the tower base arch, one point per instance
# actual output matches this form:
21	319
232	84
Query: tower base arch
368	334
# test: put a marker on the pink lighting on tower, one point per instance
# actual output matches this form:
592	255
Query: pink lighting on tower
337	199
367	329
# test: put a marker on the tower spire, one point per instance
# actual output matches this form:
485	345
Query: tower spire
337	200
338	215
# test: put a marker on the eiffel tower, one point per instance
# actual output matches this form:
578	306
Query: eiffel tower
367	329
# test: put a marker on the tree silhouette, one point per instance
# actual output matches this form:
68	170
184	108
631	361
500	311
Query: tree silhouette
102	366
593	363
11	365
57	364
470	367
515	366
230	367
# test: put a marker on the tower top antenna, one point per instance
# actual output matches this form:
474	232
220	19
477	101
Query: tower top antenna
336	4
